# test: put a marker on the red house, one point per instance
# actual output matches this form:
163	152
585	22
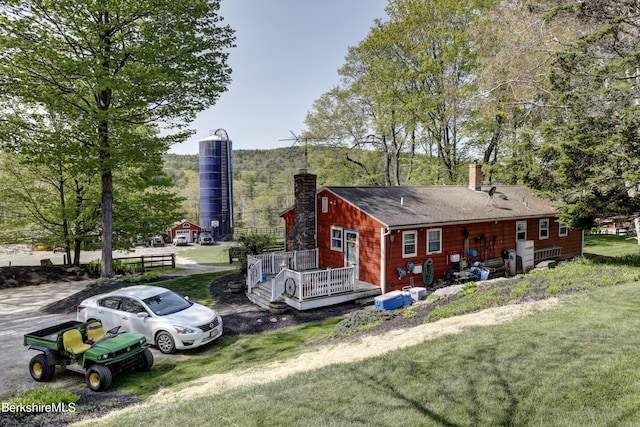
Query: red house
402	236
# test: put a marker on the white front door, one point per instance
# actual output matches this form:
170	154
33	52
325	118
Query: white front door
351	256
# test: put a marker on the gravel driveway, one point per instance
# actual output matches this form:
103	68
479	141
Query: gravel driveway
19	314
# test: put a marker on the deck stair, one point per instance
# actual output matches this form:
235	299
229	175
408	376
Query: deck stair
260	295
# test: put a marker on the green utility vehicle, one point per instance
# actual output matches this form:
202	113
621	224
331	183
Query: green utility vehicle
99	354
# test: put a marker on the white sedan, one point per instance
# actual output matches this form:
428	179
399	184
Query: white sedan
180	240
166	319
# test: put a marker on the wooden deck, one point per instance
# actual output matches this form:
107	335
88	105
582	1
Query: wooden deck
294	278
261	296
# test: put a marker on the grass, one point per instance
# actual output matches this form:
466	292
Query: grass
572	366
40	397
610	246
208	255
227	354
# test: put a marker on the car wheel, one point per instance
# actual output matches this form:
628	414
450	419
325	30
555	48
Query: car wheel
39	369
98	377
146	361
164	342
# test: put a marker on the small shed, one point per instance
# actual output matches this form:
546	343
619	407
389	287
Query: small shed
186	228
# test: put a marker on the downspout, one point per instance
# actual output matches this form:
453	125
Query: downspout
383	258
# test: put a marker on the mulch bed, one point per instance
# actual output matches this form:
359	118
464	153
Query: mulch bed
253	322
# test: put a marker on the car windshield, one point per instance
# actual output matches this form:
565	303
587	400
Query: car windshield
167	303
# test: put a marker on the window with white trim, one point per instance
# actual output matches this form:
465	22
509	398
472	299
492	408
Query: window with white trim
543	229
563	230
336	238
325	204
434	241
409	244
521	230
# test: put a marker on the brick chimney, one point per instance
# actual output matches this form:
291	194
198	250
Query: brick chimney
475	176
303	234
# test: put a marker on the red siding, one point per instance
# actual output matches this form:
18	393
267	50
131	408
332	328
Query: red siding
289	221
498	236
343	215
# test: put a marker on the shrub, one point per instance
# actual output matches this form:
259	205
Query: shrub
94	267
468	289
360	321
141	278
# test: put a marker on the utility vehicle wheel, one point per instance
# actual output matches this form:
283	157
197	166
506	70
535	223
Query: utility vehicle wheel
98	378
164	342
146	361
39	369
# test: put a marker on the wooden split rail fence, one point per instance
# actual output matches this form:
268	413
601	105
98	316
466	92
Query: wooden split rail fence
147	262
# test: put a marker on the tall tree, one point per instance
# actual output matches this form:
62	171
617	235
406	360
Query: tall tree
412	76
515	49
592	158
109	68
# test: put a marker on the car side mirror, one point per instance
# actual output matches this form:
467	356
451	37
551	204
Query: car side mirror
186	297
142	314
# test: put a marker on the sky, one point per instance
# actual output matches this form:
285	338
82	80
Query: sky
288	54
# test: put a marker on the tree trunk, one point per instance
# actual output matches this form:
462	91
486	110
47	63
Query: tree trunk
636	222
77	248
107	225
387	175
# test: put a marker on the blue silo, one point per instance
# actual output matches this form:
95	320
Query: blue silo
216	191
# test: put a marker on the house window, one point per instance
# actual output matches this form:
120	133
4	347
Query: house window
325	204
521	230
563	230
543	230
434	241
336	238
409	244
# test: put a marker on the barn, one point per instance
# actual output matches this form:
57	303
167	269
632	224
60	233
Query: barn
413	236
186	228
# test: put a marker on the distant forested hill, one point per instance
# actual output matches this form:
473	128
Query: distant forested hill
263	179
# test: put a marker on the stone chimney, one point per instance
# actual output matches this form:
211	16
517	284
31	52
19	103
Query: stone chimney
475	176
303	234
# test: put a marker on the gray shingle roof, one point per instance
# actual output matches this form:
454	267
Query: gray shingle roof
434	205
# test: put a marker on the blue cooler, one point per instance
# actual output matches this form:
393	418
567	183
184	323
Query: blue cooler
390	300
406	296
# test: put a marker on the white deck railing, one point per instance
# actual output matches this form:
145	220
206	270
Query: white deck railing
254	271
546	253
310	284
274	262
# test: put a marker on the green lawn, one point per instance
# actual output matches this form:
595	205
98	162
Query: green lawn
610	246
208	255
573	366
